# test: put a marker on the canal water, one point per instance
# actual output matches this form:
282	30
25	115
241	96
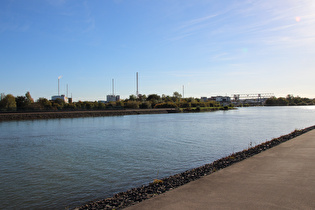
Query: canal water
63	163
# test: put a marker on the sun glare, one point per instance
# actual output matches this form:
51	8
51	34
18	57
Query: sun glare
298	19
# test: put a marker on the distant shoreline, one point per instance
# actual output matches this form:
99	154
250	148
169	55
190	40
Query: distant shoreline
16	116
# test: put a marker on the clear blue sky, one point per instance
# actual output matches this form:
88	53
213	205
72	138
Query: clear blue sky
211	47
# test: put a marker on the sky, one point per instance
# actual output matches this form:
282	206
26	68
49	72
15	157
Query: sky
209	47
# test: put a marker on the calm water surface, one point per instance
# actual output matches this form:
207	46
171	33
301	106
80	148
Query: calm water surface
66	162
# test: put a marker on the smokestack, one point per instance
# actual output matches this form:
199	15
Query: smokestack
58	85
113	87
183	92
137	86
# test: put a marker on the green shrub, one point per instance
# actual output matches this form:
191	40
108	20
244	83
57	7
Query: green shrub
165	105
131	105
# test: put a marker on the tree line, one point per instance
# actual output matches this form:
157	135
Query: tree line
289	100
152	101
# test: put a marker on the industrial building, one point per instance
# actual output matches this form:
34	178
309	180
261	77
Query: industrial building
221	99
111	98
62	97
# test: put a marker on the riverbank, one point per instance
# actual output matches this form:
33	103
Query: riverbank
76	114
136	195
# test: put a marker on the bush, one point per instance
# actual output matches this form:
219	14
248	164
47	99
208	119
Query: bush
70	106
145	105
165	105
131	105
44	104
185	104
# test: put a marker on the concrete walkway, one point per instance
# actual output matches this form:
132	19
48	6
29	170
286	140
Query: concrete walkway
280	178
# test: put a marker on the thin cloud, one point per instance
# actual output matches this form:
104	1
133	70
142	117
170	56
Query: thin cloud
196	21
56	2
16	27
191	27
90	20
9	19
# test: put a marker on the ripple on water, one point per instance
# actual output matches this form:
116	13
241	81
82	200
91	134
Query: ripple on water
67	162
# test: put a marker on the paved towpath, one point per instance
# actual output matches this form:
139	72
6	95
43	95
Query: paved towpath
282	177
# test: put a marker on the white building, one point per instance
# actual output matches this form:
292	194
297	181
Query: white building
62	97
222	99
111	98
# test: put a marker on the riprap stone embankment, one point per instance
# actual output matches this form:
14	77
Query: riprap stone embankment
136	195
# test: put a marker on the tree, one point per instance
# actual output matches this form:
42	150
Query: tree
282	102
90	105
290	98
142	97
2	95
132	98
152	97
119	104
132	105
145	105
297	100
166	98
58	103
21	102
177	95
29	97
8	103
165	105
44	103
271	101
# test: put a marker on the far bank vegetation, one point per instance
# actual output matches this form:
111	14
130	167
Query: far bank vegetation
10	103
289	100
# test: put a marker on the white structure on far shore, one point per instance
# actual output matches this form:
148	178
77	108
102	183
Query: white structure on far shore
62	97
221	99
111	98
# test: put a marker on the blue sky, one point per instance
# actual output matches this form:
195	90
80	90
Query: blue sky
211	47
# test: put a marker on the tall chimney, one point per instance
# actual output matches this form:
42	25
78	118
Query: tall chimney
137	85
58	86
113	87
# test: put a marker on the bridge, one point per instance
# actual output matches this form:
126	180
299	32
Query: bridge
253	96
